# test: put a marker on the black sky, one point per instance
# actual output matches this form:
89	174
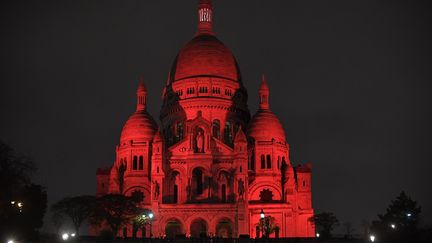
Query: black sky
350	81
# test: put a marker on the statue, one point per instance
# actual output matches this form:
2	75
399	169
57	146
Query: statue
241	188
200	142
156	189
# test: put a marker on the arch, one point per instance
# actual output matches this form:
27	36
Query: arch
198	228
269	164
224	228
174	185
144	189
224	183
135	163
173	228
141	163
255	189
198	180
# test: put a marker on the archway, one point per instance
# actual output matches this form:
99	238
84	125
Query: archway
198	228
197	181
224	229
173	228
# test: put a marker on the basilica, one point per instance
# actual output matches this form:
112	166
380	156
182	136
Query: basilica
207	167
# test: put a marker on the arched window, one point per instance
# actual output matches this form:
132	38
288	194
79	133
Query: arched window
198	181
263	161
141	163
135	163
278	163
175	194
216	129
268	161
223	192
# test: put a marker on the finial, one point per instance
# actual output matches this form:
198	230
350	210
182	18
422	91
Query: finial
141	85
205	17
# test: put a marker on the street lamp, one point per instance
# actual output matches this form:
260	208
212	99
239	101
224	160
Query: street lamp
10	241
65	236
393	226
409	215
262	217
317	235
372	238
150	215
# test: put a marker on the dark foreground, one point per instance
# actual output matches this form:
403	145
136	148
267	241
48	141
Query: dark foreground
197	240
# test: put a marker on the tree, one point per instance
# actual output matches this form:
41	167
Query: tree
77	209
325	223
115	210
22	204
400	221
15	173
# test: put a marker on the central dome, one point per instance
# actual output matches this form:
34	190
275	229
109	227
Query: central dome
205	55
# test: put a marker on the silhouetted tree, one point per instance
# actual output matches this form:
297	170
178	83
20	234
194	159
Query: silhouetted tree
325	223
114	210
22	204
399	222
77	209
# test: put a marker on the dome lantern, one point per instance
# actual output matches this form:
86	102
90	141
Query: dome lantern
264	93
205	17
141	95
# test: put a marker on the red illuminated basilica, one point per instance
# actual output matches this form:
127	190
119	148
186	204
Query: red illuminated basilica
209	168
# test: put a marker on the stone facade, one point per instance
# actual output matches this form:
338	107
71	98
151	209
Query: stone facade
209	168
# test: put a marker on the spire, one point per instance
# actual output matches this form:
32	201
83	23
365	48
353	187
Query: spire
205	17
264	93
141	95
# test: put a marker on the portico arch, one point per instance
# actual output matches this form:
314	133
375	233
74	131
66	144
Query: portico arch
224	228
198	228
173	228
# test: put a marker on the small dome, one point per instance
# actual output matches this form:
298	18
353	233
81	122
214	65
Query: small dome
139	127
265	125
205	55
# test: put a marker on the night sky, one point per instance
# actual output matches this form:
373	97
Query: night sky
350	81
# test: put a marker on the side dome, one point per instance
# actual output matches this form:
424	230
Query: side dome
205	55
265	125
139	127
